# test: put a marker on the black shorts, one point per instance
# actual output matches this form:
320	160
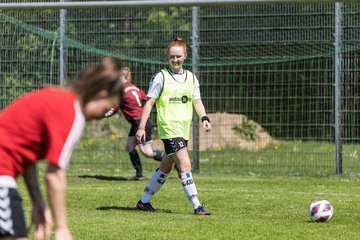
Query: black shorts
12	213
135	125
173	145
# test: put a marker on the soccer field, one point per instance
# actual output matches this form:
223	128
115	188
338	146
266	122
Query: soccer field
243	207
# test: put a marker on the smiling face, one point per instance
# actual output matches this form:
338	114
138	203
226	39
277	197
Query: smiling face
176	58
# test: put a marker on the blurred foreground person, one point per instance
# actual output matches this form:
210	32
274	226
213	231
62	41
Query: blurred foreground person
47	124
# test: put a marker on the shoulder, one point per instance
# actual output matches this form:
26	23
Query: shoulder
130	86
159	74
48	96
157	77
195	79
189	72
59	98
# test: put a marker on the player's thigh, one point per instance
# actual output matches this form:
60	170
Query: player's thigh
182	159
130	143
167	163
146	149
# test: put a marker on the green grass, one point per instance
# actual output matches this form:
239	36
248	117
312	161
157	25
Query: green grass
243	207
102	149
254	203
281	158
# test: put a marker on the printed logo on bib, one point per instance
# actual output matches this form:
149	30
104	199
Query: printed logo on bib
178	100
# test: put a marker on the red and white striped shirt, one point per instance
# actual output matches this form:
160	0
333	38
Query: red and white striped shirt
45	124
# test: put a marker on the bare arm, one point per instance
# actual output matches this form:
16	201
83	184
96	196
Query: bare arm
140	134
56	187
200	109
32	184
41	216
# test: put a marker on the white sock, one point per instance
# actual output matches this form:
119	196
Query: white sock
156	181
189	187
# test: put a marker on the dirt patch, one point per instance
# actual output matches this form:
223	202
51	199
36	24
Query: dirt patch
223	135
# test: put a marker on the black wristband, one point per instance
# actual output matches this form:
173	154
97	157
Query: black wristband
205	118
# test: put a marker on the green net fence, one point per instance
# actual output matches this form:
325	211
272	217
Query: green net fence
266	73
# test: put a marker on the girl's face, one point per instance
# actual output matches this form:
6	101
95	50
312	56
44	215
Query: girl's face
176	57
100	105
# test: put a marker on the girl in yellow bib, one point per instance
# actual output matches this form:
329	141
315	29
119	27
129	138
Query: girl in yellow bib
175	91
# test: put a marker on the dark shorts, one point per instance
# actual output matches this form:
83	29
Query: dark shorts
135	125
12	213
173	145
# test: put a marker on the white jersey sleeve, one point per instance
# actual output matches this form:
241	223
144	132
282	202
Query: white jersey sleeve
197	95
156	85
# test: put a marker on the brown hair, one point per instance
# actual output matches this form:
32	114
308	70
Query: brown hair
177	42
112	63
93	79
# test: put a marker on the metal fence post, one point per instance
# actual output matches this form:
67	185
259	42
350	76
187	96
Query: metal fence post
337	87
62	65
194	61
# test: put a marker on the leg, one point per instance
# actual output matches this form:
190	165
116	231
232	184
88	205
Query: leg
183	165
146	148
155	183
134	157
187	181
147	151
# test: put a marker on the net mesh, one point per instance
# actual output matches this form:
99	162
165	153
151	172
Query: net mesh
273	63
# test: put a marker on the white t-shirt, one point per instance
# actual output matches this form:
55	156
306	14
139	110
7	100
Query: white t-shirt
157	82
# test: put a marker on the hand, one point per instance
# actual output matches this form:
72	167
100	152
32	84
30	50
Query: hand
63	234
140	135
41	218
206	126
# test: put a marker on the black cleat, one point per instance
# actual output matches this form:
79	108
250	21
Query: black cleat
201	211
144	206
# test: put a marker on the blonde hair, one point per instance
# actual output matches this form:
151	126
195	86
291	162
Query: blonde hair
126	71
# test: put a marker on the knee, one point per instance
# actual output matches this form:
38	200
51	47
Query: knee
185	167
148	154
165	168
128	148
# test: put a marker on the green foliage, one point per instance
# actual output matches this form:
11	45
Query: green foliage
170	18
247	129
13	87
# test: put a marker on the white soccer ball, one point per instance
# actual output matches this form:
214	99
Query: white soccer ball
321	211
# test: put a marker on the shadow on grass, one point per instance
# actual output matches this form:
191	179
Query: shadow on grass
116	178
106	178
107	208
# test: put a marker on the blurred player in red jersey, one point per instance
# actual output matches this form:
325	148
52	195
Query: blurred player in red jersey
47	124
131	108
